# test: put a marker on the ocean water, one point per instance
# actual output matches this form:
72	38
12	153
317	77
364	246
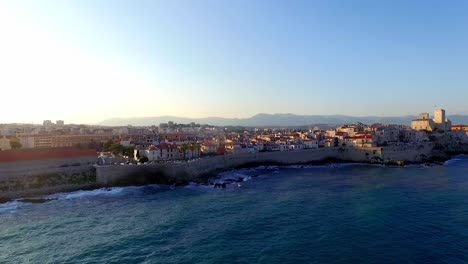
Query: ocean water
339	213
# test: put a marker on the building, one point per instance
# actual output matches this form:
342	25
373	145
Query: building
311	143
364	141
5	144
47	123
163	151
60	123
424	122
460	128
441	121
59	141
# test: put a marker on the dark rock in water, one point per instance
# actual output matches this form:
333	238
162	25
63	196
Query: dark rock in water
240	179
229	180
179	184
36	200
4	200
220	185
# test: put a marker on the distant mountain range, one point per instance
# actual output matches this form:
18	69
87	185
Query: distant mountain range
272	120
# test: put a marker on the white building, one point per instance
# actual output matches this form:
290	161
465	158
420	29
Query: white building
311	144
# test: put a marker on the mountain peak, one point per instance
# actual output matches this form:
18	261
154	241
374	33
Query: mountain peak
272	120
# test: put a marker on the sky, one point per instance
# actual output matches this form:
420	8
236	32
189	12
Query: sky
84	61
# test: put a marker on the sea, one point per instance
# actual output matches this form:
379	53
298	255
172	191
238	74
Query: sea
331	213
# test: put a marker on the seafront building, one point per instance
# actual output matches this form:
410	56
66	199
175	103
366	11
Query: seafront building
171	141
424	122
460	128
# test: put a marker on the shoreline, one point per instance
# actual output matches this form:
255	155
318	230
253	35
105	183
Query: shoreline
38	196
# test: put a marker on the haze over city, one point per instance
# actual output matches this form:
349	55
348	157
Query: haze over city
87	61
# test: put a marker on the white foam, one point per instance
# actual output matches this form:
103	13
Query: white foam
99	192
10	207
451	161
193	185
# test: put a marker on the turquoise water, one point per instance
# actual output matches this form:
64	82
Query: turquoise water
322	214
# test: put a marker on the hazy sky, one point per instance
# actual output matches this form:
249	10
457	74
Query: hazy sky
85	61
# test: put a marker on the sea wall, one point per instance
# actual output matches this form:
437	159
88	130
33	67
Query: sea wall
27	178
201	169
409	153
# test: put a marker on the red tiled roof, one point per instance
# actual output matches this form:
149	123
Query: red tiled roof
364	137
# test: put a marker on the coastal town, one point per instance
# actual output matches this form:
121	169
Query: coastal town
54	157
177	142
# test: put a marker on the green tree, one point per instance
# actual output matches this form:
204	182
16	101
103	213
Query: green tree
192	148
143	159
108	145
401	136
116	149
198	147
183	148
128	151
15	144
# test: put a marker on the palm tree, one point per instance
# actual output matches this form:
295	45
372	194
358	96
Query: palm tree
198	146
183	148
192	148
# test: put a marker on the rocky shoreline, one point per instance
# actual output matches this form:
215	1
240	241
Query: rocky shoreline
37	195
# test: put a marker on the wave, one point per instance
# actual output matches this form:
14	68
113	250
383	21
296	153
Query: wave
11	207
328	166
451	161
111	191
194	185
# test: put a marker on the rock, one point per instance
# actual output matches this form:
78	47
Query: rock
4	200
36	200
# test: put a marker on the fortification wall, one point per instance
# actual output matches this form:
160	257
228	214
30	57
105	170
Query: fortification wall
409	153
24	178
195	170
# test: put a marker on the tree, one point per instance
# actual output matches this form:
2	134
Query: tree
127	151
15	144
439	130
192	147
183	148
116	149
108	144
401	136
143	159
198	146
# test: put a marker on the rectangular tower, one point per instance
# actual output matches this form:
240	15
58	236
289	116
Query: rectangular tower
439	116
